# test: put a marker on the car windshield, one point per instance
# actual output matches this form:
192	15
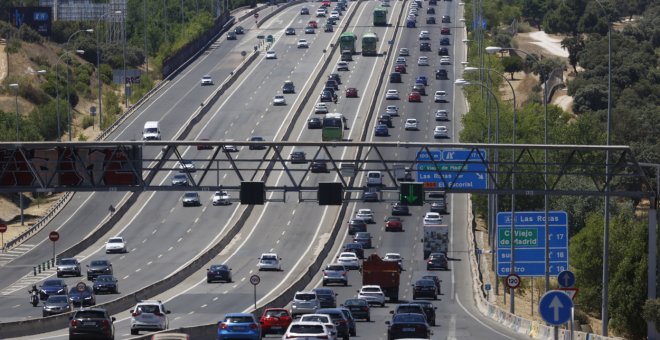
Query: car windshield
353	246
99	263
321	291
115	240
371	290
307	329
148	308
68	261
318	318
335	268
305	296
90	314
53	283
57	299
401	318
219	267
104	278
356	302
277	313
268	258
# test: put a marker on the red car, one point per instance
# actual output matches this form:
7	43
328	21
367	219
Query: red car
400	68
313	23
351	92
393	223
414	97
275	321
445	31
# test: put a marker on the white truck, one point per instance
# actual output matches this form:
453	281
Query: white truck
436	239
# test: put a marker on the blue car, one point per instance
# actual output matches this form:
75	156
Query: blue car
422	80
52	287
381	130
239	326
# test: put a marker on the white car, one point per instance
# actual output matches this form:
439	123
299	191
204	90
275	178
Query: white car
424	35
392	110
334	15
393	257
423	61
307	330
411	124
271	55
342	66
149	315
320	12
207	80
365	214
445	61
349	260
373	294
400	61
186	165
441	115
321	108
440	131
325	319
116	245
221	198
279	100
269	261
404	52
302	43
440	96
432	218
392	94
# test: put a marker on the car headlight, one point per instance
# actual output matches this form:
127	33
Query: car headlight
60	291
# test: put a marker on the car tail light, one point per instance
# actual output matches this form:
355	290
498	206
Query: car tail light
365	309
74	323
222	325
105	324
253	326
136	313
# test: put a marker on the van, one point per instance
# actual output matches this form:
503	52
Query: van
374	178
151	131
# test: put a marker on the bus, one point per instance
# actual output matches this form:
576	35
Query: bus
370	44
347	42
380	16
333	127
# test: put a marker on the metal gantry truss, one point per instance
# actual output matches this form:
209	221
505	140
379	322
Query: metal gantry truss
146	166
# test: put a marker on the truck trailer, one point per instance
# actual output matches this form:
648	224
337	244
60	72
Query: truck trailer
375	271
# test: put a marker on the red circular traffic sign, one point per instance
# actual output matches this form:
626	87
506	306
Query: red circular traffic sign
512	281
81	286
54	236
3	227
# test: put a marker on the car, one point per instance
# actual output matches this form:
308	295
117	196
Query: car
352	328
98	267
116	245
381	130
430	21
425	47
94	323
310	30
290	31
392	110
302	43
305	302
328	28
335	76
392	94
321	108
419	88
239	326
355	225
269	261
444	41
324	319
363	238
435	280
433	2
326	296
218	272
279	100
415	308
395	77
288	87
356	248
394	257
186	165
106	284
68	266
445	31
400	61
342	66
180	179
304	11
430	10
332	83
204	146
275	321
404	52
365	214
335	273
411	124
257	139
340	321
326	96
439	207
423	61
424	35
82	298
349	260
399	68
239	30
429	311
56	304
445	61
231	35
206	80
334	15
314	123
319	166
408	325
440	97
440	131
270	54
298	157
320	13
393	223
313	330
229	147
372	294
359	308
52	287
399	209
411	21
437	261
441	74
446	19
424	288
415	97
331	21
423	80
432	218
191	198
351	92
371	195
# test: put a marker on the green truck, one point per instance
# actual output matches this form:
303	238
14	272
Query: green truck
369	44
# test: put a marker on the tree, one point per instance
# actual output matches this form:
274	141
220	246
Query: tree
592	97
651	312
512	65
534	10
574	45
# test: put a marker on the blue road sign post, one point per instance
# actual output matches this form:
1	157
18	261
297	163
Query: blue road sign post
530	243
456	168
555	307
566	279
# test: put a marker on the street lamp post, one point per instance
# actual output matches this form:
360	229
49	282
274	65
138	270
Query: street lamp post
98	65
68	104
18	138
57	92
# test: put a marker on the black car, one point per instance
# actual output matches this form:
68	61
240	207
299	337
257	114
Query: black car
332	83
331	21
231	35
106	284
446	19
319	166
424	288
356	225
439	207
359	308
327	297
433	2
239	30
363	238
437	261
355	248
82	298
56	304
91	323
387	120
443	51
53	287
352	329
441	74
425	46
444	41
430	21
290	31
399	209
256	139
98	267
298	157
335	76
218	272
435	279
314	123
430	10
409	308
328	28
429	311
326	96
288	87
408	325
395	77
339	320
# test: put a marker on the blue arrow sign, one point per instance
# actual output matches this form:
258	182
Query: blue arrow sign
442	168
566	279
555	307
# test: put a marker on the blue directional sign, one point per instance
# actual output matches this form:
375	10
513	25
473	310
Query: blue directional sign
442	168
530	243
555	307
566	279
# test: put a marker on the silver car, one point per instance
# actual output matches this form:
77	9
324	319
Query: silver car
191	198
68	266
335	273
56	304
304	303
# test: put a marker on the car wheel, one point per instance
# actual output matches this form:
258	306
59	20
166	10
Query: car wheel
353	333
414	297
96	292
135	332
208	281
44	314
325	283
345	283
346	337
59	275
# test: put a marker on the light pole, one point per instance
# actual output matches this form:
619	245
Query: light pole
57	92
98	64
68	103
18	138
123	33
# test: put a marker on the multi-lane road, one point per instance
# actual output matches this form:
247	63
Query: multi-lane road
163	236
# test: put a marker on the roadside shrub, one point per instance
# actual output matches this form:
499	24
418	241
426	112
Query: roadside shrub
88	121
13	46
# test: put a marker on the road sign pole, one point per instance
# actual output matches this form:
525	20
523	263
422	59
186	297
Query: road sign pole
255	296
